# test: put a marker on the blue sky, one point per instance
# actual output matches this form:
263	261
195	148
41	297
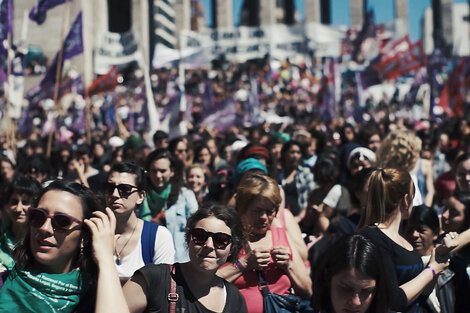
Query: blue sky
383	11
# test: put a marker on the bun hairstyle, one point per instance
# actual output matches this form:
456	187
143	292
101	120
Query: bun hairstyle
387	187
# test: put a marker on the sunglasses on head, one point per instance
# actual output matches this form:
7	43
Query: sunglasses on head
220	240
124	190
59	221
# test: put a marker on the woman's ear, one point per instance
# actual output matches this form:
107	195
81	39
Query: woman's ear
142	194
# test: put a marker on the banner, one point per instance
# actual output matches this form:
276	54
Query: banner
114	49
245	43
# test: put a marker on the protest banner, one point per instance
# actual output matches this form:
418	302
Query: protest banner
114	49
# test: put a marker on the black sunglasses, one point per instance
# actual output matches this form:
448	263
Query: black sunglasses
59	221
220	240
124	190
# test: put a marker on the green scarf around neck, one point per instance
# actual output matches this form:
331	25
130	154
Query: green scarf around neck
154	202
26	291
6	246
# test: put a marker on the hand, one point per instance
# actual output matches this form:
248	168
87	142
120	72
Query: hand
78	166
257	259
438	262
281	256
102	227
451	240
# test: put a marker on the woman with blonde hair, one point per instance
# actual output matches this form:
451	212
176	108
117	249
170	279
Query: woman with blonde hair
401	149
267	249
389	201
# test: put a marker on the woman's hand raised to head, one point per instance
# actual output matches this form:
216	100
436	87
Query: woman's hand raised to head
102	227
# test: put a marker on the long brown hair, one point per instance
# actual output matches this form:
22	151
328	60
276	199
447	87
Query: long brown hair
387	187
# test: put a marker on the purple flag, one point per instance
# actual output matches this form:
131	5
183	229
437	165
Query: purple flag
73	45
38	12
6	28
224	118
367	31
6	20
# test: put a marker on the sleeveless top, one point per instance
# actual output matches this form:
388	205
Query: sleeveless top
278	281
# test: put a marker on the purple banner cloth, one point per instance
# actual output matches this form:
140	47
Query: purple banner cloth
38	12
73	45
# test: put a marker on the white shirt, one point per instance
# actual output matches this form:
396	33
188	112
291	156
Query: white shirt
164	253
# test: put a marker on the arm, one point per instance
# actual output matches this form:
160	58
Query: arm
135	292
417	285
295	235
429	198
109	296
255	260
295	270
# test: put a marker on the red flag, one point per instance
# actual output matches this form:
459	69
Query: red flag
451	99
401	62
104	83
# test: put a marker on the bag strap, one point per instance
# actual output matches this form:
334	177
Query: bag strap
173	297
147	240
263	284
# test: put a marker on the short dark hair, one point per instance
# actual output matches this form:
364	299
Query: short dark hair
131	168
286	146
351	252
223	213
424	215
90	203
23	185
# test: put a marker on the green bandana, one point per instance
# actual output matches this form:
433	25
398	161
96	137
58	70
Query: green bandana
154	202
6	248
24	291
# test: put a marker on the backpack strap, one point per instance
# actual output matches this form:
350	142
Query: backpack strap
147	240
173	296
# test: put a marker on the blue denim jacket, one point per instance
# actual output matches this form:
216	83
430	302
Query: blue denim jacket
176	217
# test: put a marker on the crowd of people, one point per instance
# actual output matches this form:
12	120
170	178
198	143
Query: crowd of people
347	215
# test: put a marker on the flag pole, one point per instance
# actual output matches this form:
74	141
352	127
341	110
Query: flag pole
10	130
58	74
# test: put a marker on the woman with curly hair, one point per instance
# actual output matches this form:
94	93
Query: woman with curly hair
401	149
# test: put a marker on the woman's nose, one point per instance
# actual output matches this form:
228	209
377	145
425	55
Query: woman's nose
47	226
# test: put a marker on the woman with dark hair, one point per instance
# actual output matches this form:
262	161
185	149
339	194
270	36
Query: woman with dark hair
139	242
203	155
213	235
18	198
179	149
351	278
296	179
54	261
422	231
389	201
167	201
462	172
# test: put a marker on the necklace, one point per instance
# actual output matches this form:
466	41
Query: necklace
118	254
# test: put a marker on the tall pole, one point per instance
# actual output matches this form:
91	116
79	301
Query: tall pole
58	74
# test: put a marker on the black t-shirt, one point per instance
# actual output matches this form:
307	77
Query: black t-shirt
158	287
401	265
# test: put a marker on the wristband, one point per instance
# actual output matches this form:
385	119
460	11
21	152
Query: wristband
432	270
239	266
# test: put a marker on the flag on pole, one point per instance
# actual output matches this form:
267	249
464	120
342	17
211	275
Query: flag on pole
73	45
104	83
39	11
6	30
361	44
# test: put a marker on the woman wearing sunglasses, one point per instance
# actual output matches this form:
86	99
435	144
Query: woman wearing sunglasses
18	198
54	269
213	236
138	242
267	248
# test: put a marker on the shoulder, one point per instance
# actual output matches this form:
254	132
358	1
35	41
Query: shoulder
154	273
235	299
